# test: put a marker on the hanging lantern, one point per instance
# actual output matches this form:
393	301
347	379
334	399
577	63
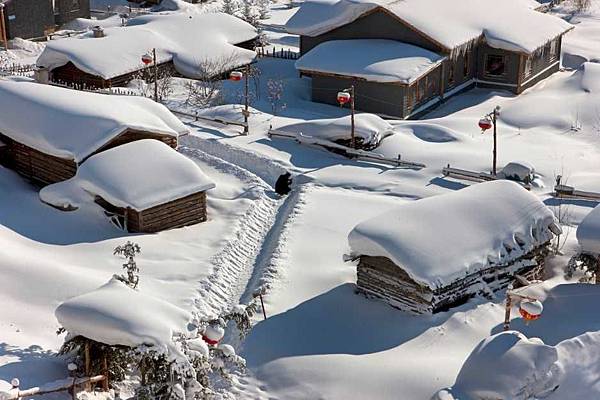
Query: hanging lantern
213	334
485	123
147	59
531	310
343	98
236	76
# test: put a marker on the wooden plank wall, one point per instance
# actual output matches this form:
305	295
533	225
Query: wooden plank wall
188	210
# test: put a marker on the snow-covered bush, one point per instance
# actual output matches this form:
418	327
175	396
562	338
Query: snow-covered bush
275	94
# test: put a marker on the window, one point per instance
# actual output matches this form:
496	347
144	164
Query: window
528	66
451	75
495	65
554	49
467	64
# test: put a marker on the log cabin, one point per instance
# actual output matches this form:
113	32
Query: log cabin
203	45
49	131
432	254
144	186
403	58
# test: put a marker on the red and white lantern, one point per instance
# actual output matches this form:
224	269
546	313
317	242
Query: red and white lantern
531	310
236	76
485	123
343	98
147	59
213	334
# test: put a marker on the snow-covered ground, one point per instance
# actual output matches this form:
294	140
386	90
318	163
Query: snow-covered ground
321	340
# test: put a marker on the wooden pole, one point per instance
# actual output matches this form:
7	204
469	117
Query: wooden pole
352	137
105	369
494	119
246	105
4	35
508	307
155	75
262	304
87	363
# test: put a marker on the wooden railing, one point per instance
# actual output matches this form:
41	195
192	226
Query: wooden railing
59	386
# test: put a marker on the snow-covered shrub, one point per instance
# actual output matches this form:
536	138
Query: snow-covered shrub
264	9
230	7
129	250
249	13
275	94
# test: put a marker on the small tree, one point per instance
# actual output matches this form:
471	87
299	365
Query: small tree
229	7
275	94
249	13
129	250
264	9
582	5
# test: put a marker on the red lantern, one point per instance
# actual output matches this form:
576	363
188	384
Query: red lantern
147	59
531	310
236	76
485	123
343	98
213	334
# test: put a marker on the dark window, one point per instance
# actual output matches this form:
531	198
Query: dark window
495	65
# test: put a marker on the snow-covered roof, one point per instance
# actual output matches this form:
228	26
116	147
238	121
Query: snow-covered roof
443	238
115	314
508	24
74	124
588	232
376	60
369	127
139	175
186	39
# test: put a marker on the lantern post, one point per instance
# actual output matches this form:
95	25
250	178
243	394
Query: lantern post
236	76
148	59
530	308
488	121
347	96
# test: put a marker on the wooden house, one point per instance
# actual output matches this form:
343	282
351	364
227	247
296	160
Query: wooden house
113	56
403	57
144	186
49	131
36	18
429	255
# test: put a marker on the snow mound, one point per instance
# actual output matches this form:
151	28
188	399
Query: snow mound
432	133
440	239
74	124
521	171
507	366
376	60
464	20
187	39
139	175
588	232
369	127
115	314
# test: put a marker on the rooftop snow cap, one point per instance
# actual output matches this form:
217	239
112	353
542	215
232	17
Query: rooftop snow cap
588	232
447	24
115	314
74	124
186	39
442	238
139	175
375	60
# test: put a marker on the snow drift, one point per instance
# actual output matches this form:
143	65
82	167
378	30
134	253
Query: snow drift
588	232
507	366
443	238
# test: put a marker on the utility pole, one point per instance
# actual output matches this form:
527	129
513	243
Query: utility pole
3	21
246	105
156	75
352	136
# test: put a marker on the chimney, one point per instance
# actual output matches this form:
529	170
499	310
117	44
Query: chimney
98	31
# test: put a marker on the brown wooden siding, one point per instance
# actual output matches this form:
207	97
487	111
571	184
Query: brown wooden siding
185	211
131	135
33	164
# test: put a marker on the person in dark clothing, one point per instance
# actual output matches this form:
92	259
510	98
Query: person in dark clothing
284	184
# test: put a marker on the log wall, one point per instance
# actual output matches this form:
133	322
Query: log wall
380	277
186	211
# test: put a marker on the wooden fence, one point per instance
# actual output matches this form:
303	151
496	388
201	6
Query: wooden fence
59	386
474	176
17	69
285	54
